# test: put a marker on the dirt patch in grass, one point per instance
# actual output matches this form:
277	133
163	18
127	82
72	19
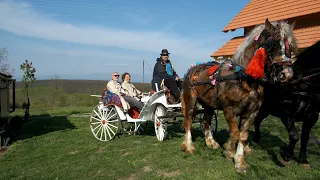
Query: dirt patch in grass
126	154
101	150
170	174
131	177
146	169
73	152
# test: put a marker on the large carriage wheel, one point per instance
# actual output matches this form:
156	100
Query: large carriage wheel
104	122
159	126
214	124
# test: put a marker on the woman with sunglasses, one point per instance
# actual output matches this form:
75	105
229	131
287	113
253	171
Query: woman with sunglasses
115	87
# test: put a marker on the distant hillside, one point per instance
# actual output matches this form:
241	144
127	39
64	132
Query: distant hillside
80	86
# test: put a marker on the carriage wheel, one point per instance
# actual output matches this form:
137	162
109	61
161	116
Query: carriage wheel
214	124
104	122
160	127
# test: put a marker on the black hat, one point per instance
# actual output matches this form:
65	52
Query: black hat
164	52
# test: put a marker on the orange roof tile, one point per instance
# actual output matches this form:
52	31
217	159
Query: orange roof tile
229	47
256	11
305	37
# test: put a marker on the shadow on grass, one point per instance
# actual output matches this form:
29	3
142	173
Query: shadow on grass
37	125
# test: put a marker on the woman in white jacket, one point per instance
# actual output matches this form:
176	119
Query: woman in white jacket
129	87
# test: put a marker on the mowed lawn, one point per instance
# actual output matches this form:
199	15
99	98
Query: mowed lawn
63	147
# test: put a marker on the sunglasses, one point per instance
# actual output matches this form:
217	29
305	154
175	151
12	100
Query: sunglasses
116	75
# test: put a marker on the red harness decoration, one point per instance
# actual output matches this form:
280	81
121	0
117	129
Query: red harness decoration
213	69
256	65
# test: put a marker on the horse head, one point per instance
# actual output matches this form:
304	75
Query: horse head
267	51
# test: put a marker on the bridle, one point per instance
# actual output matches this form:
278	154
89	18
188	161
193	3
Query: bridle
270	42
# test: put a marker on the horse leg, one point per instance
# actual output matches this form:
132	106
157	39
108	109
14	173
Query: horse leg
230	145
243	147
308	123
287	152
210	142
188	104
262	114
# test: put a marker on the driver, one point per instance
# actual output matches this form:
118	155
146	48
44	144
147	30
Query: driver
164	71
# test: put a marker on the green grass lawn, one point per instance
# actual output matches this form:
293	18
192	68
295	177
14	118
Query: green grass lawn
63	147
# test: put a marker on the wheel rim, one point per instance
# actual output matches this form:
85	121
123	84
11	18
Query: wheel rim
104	122
159	126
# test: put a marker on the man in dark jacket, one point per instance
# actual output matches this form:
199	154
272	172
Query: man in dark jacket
164	71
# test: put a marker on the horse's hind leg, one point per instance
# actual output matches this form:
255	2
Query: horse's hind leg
188	103
308	123
210	142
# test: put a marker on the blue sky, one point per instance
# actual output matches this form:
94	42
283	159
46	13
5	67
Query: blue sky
90	39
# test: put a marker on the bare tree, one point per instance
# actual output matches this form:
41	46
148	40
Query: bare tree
4	65
57	89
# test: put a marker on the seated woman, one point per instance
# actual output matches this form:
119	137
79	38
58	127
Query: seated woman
115	87
129	88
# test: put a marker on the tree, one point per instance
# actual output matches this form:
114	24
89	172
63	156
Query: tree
28	78
4	65
57	89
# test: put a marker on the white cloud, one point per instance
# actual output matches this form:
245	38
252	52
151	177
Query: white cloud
20	18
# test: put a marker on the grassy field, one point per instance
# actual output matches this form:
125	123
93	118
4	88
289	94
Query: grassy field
65	93
57	143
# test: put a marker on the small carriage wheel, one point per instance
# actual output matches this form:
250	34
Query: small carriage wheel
214	124
159	126
104	122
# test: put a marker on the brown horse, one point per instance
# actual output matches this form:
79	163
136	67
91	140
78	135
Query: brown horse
235	86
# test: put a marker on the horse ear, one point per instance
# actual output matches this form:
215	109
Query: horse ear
269	26
292	25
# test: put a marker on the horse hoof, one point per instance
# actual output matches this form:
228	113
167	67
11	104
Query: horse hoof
183	147
228	155
283	162
241	169
305	166
213	145
247	150
186	149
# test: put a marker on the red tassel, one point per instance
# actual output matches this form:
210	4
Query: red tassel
256	65
213	69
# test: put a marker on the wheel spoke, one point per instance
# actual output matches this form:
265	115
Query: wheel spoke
98	130
111	125
97	127
96	119
95	123
108	132
97	114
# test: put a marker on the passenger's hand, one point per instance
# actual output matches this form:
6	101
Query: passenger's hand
177	78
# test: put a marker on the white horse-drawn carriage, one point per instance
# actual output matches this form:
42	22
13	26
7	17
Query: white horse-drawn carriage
109	118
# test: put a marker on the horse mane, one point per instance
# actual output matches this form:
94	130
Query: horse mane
285	31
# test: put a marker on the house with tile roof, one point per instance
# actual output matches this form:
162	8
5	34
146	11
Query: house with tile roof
306	13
